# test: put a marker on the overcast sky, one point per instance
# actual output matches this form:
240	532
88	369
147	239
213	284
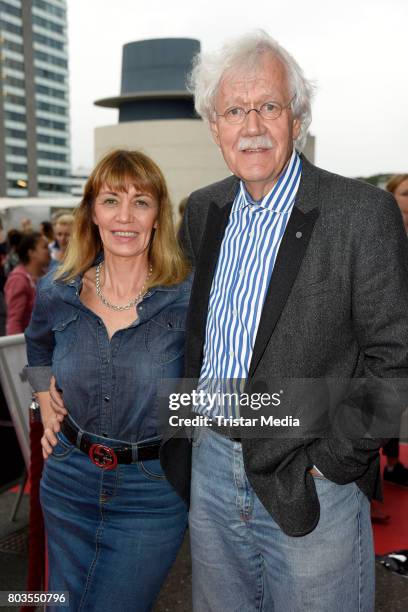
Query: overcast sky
356	51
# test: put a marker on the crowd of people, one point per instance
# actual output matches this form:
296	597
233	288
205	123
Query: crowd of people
25	256
289	281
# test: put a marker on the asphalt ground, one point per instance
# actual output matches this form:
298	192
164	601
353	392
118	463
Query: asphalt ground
391	596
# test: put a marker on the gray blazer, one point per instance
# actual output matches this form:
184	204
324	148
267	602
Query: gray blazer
336	306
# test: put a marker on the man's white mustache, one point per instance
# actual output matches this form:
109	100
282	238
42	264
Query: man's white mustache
255	142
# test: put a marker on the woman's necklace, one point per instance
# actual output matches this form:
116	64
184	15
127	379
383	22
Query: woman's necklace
115	306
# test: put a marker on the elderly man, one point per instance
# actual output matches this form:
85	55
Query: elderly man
291	281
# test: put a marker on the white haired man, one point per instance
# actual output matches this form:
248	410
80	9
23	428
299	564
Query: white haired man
291	282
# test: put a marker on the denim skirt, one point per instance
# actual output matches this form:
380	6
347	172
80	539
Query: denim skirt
112	535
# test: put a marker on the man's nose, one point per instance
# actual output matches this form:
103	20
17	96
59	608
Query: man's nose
253	123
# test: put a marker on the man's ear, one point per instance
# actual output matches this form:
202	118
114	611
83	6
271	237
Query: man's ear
214	132
296	128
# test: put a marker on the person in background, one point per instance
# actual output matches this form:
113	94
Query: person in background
398	186
26	225
3	256
14	237
109	325
20	287
181	209
395	471
47	231
62	233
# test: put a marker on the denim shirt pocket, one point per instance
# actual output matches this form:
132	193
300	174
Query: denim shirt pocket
165	337
65	334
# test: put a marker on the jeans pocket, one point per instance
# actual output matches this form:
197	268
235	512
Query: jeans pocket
152	469
197	436
63	447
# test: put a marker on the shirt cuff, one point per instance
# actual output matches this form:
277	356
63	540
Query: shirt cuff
39	377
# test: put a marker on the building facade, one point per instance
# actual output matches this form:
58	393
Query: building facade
34	99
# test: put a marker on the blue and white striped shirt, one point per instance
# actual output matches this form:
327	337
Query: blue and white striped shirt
244	269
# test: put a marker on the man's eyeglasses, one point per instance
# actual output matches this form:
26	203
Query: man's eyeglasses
269	111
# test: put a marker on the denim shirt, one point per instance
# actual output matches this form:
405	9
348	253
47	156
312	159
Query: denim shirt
109	386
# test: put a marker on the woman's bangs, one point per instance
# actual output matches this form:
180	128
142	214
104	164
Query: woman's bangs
119	177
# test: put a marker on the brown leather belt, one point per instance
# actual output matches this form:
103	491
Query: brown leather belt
107	457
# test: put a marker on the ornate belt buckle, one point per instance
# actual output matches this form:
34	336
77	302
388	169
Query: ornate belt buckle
103	456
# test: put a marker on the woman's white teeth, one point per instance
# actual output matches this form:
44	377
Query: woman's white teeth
125	234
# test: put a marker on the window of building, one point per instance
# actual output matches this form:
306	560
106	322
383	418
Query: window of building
9	9
49	8
19	100
12	150
50	59
10	80
48	42
12	46
12	63
15	116
51	76
12	167
54	187
11	27
48	25
54	140
52	171
52	155
19	134
14	184
51	108
51	124
50	91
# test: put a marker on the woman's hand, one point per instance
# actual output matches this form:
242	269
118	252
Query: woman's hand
56	401
50	421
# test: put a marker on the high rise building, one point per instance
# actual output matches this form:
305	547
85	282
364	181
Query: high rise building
34	98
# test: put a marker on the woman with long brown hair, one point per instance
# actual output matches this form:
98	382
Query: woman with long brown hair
109	325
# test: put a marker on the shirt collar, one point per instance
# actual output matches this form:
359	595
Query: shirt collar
280	198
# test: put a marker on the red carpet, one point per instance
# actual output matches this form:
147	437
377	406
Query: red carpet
394	535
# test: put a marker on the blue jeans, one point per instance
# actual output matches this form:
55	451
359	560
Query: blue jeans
112	535
243	561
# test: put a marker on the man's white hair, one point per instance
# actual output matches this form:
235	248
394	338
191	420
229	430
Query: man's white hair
243	55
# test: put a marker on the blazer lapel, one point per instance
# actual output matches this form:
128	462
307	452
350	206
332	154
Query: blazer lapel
217	220
290	256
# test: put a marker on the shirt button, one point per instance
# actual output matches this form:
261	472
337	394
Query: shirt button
231	353
140	307
106	398
298	234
